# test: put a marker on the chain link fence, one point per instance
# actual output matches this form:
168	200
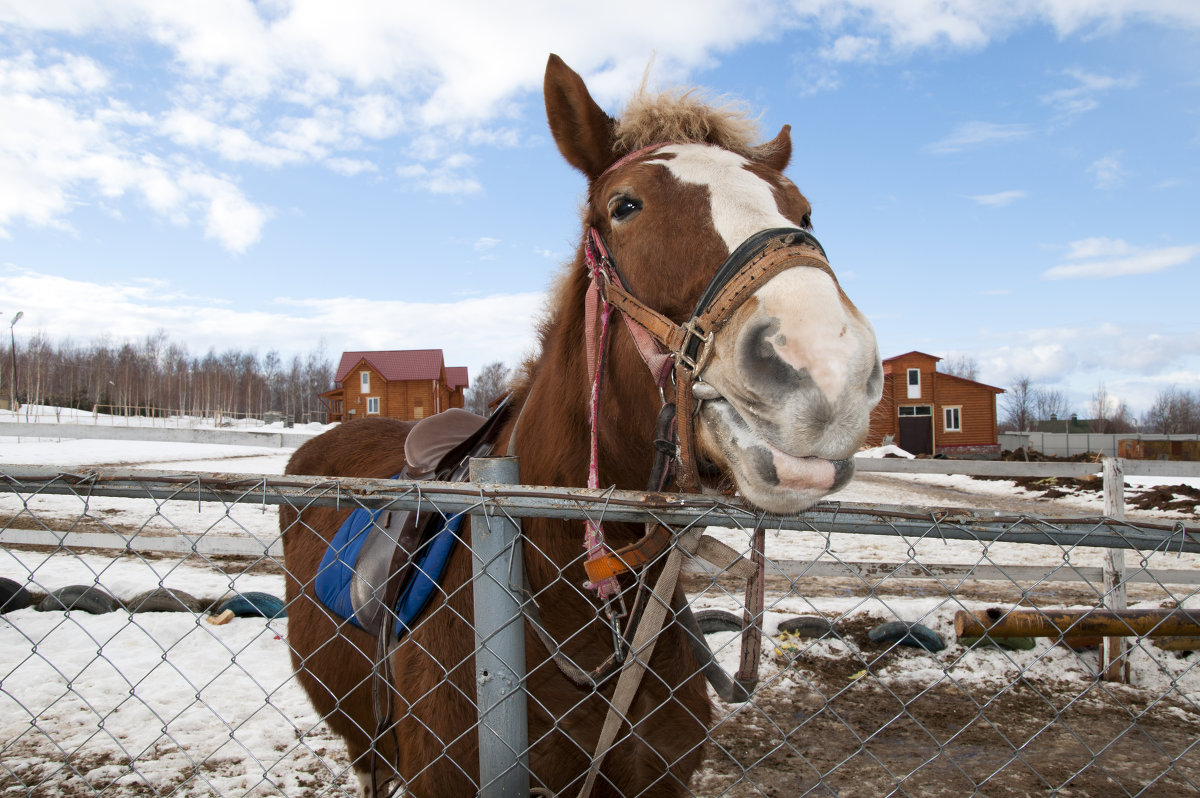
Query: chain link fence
153	657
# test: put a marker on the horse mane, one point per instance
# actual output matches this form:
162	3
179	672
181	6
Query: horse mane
684	116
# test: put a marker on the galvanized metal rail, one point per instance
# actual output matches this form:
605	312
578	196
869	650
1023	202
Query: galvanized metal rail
527	501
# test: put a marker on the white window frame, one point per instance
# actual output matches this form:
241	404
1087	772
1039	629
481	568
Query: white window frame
952	413
372	405
914	388
364	381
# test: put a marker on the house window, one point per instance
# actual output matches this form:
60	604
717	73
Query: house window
364	379
914	383
953	419
372	405
915	410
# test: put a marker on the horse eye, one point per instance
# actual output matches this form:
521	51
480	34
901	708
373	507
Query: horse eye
623	207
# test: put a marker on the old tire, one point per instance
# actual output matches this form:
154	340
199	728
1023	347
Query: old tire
253	604
13	595
713	621
816	626
907	634
89	598
163	599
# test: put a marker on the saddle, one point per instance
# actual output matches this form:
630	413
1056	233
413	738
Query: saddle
385	564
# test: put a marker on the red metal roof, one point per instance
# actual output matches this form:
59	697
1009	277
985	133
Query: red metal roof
395	364
456	377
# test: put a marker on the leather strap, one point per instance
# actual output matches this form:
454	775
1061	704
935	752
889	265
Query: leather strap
641	650
629	558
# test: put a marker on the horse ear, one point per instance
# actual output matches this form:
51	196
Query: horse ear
583	132
777	152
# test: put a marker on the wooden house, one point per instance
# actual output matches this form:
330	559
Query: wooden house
924	411
405	384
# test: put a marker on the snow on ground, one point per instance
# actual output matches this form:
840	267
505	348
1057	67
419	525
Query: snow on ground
167	700
43	414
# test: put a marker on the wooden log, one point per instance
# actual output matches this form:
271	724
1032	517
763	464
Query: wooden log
996	622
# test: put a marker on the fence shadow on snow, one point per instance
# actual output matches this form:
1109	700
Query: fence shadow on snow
856	697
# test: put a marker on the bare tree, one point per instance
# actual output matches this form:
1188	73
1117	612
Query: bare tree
1050	404
1018	404
963	366
1174	411
1109	413
488	385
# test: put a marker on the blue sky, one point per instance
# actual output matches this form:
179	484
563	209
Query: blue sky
1017	182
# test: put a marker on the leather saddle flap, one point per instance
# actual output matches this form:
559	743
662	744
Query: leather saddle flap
431	439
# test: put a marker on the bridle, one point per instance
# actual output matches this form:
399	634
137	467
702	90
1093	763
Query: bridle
689	345
674	353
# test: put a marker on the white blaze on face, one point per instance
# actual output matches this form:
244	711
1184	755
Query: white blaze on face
742	203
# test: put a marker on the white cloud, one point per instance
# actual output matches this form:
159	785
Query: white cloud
1077	355
502	326
451	176
1099	247
1107	172
276	84
852	48
1084	95
903	27
74	146
974	134
1000	198
1103	258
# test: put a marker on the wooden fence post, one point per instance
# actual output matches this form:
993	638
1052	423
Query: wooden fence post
1114	665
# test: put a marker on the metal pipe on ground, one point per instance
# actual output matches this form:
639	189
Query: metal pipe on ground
997	622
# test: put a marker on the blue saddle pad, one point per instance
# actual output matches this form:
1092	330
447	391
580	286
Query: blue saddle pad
336	572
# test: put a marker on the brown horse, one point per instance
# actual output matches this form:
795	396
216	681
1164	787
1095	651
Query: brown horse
781	402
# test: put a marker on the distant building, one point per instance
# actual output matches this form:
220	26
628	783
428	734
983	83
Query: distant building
924	411
407	384
1072	425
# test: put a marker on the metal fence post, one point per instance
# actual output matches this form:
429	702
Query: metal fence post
1114	665
499	572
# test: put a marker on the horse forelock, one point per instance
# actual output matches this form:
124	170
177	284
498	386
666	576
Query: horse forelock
684	116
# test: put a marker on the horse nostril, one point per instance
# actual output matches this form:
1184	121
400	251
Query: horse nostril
761	364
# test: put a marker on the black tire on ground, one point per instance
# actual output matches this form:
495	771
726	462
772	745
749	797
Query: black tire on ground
907	634
711	621
163	599
88	598
253	604
807	626
13	595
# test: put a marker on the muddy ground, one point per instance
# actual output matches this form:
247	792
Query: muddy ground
845	727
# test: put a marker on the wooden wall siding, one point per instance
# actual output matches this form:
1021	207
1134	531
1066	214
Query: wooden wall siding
978	414
976	403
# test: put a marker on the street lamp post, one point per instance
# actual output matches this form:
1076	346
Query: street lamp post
12	384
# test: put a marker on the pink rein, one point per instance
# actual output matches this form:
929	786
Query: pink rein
600	270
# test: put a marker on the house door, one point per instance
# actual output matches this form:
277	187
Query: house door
916	429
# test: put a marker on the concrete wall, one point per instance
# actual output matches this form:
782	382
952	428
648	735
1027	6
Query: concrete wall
1059	444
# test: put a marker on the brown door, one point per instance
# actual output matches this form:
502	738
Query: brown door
916	433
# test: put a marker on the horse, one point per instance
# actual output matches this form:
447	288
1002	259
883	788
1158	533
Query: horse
772	402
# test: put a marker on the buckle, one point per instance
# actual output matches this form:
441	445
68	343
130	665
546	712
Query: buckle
703	342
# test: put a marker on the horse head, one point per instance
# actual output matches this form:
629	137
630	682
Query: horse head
781	383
